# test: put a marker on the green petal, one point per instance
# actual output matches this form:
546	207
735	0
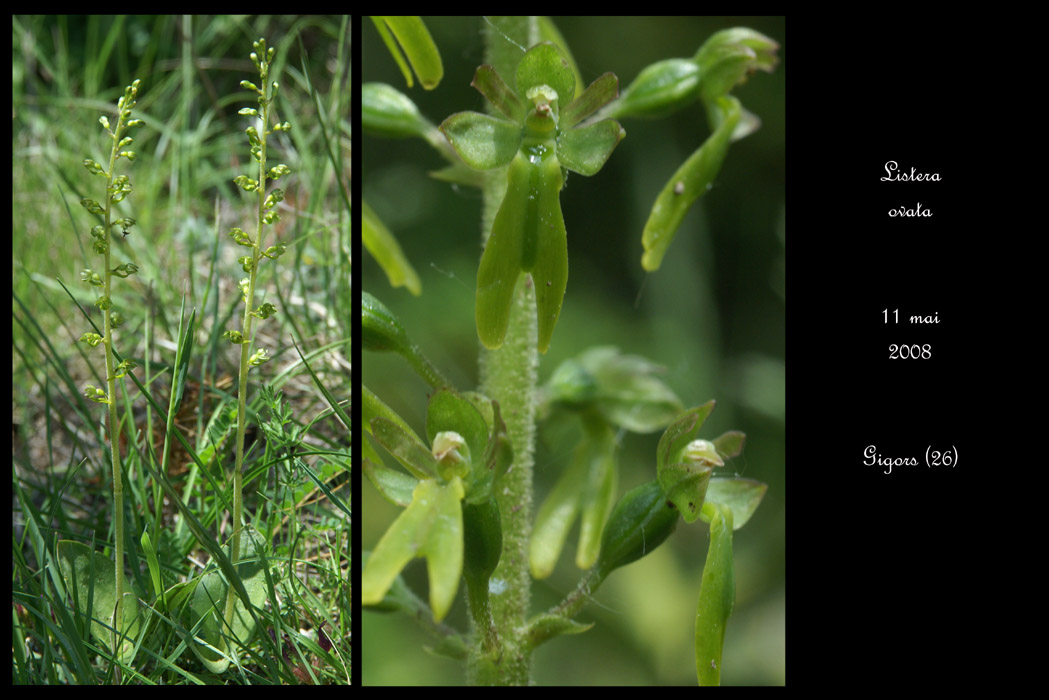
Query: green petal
585	149
483	142
597	95
490	84
544	64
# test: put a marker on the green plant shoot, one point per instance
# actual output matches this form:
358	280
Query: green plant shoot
117	189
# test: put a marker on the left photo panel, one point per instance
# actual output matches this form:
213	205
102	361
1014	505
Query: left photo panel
182	372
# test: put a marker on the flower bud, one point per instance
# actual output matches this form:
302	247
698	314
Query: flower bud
660	89
387	112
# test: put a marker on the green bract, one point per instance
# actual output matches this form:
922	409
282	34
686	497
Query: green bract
539	138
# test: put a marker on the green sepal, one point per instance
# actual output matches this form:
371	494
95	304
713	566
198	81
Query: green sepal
92	206
690	182
544	64
385	111
585	149
430	527
483	142
717	596
92	339
490	84
387	252
90	581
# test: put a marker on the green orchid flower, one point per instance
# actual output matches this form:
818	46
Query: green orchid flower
541	140
450	482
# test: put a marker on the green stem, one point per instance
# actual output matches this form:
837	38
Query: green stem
509	375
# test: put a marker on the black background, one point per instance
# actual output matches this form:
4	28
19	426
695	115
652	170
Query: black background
894	574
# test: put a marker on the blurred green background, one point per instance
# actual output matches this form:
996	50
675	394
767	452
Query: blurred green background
713	315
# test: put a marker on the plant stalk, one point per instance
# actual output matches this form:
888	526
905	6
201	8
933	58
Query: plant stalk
509	375
111	393
245	352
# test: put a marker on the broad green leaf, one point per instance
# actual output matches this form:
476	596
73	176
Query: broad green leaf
90	580
387	251
483	142
490	84
385	111
717	596
418	45
597	95
207	603
544	64
585	149
431	527
741	496
689	183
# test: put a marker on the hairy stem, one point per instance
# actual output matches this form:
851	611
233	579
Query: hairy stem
509	375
